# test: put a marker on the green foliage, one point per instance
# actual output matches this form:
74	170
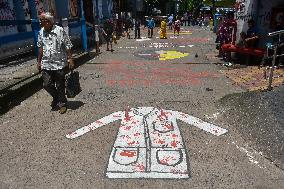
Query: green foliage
224	3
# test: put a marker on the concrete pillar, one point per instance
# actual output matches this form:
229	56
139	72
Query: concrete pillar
62	9
83	27
32	7
20	14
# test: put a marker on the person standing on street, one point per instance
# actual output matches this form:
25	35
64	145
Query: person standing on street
54	58
163	31
108	32
137	25
151	26
177	25
170	21
97	38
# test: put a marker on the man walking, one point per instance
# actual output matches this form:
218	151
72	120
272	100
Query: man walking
54	56
108	32
137	25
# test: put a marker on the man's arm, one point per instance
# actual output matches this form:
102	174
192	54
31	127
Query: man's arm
70	60
68	46
39	58
40	50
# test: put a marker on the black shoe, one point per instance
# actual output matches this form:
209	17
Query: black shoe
54	106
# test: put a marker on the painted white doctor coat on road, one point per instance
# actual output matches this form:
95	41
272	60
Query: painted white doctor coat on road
149	143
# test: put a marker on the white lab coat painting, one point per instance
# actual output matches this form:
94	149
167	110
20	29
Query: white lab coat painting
149	143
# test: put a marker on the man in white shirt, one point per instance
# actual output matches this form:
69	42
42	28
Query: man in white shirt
54	57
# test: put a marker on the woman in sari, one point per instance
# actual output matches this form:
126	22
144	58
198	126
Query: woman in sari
163	32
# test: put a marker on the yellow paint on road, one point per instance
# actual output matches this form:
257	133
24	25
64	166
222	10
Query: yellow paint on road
171	55
181	33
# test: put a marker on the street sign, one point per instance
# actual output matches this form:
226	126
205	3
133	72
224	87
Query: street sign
149	143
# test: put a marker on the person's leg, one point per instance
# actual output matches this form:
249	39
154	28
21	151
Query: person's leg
107	45
139	36
152	32
136	31
49	86
97	47
148	32
280	59
60	86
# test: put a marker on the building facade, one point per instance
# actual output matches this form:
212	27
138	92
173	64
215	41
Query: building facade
19	18
264	13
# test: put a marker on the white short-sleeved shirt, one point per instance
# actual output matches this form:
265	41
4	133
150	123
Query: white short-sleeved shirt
54	44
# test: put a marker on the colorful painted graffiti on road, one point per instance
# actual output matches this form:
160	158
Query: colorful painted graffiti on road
162	55
131	73
171	55
149	143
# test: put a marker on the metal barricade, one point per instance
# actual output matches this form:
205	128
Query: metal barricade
274	47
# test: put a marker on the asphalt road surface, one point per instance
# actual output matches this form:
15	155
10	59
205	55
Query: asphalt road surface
168	79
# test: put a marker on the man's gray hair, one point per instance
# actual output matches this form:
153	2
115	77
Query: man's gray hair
48	16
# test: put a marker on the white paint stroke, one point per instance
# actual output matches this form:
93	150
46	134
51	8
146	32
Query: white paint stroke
143	39
250	155
149	143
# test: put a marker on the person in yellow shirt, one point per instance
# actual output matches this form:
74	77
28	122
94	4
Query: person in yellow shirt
163	32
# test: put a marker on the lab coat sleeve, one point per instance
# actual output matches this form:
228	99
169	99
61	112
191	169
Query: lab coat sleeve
208	127
95	125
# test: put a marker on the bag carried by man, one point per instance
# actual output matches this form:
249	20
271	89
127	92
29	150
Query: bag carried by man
73	87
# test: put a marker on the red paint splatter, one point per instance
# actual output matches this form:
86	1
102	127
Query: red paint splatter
99	122
127	128
127	116
184	115
137	134
174	135
131	143
128	153
169	126
174	144
216	131
161	141
140	167
116	116
135	122
165	161
162	116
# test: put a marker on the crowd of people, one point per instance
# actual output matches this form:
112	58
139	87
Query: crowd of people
248	40
55	55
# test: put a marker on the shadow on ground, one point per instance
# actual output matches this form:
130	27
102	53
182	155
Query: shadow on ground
258	116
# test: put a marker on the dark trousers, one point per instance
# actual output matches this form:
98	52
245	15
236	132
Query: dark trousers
137	33
54	84
150	32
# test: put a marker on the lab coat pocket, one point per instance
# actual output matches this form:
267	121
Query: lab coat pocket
169	157
125	156
163	126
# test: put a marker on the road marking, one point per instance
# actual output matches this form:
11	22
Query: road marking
149	143
143	39
171	55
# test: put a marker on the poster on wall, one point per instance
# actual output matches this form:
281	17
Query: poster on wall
74	8
277	16
7	13
39	8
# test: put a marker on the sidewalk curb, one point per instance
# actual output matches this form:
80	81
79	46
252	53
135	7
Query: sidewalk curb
14	94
